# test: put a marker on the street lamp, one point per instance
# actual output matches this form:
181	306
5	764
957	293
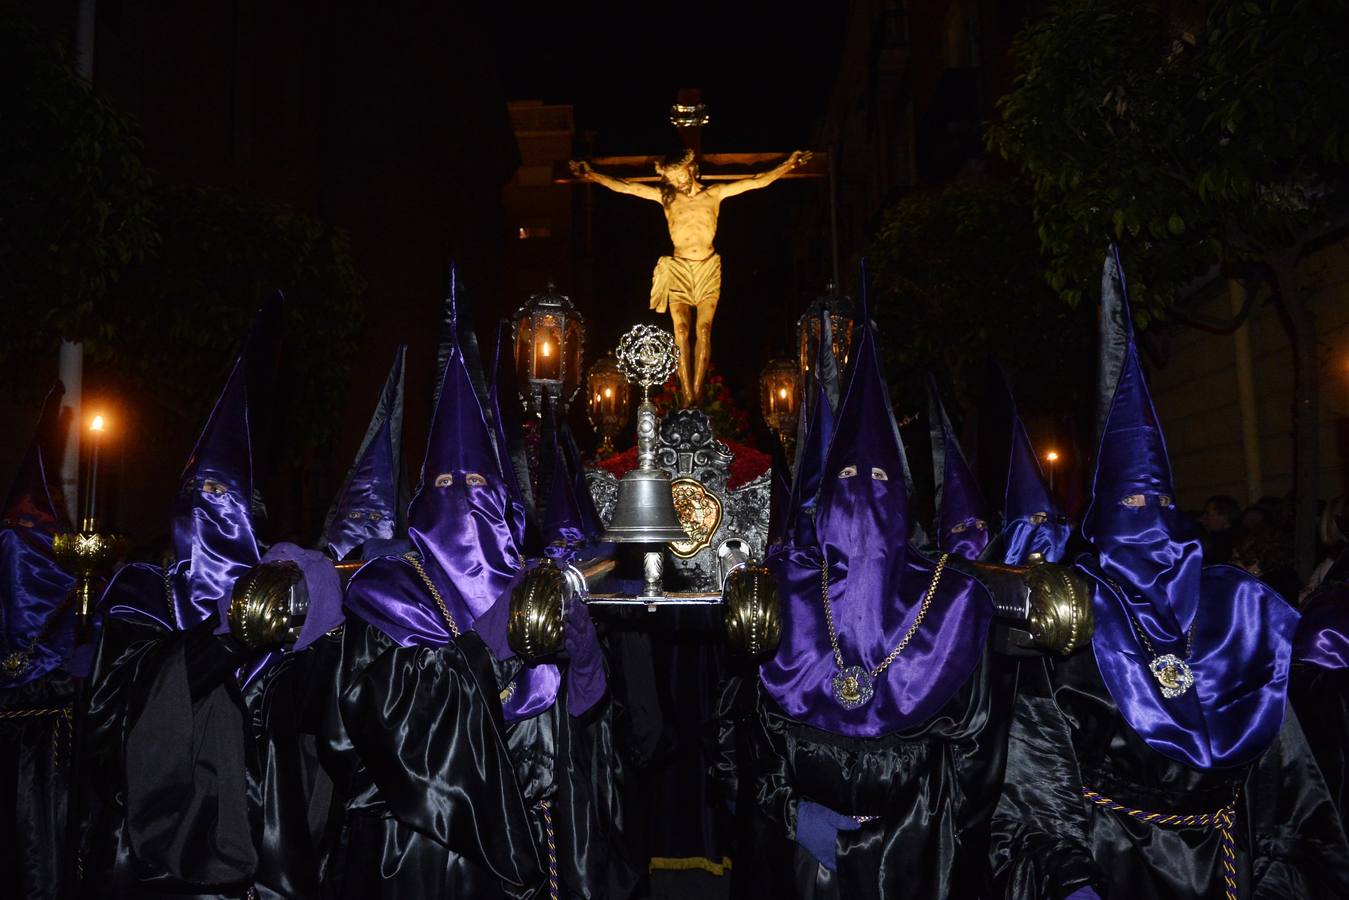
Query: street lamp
1051	457
608	401
548	337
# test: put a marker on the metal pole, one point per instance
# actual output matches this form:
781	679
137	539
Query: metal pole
833	214
1246	402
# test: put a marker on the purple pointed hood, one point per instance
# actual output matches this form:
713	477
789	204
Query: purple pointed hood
1032	521
563	526
212	530
876	582
811	459
1153	596
33	588
366	509
591	522
512	459
460	527
962	515
460	514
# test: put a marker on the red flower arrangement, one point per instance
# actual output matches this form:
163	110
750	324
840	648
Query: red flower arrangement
729	421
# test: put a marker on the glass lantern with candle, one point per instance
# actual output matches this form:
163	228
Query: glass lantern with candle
841	320
608	402
549	333
780	398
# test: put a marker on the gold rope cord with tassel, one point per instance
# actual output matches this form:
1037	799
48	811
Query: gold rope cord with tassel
1223	820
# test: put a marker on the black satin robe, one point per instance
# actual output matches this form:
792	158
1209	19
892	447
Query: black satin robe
446	799
298	812
35	736
414	737
571	765
168	778
1289	840
217	797
1321	699
933	789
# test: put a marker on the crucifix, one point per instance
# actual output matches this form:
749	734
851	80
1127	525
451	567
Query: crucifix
690	188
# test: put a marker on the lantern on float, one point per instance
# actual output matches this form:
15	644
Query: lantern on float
548	337
608	401
780	399
841	321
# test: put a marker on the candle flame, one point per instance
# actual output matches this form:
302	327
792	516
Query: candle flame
546	349
782	393
608	392
97	424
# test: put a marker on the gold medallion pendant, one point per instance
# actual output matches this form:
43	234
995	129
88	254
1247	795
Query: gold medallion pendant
1173	674
16	663
852	686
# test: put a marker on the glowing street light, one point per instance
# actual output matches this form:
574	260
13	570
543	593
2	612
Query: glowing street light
1051	457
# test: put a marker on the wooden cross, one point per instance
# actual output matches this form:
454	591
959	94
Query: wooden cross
711	167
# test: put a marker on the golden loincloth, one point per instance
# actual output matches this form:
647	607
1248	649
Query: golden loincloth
691	282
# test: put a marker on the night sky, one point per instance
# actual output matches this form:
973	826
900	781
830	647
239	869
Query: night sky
764	71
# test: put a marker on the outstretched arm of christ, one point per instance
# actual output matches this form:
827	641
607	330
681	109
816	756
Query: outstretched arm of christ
645	191
763	179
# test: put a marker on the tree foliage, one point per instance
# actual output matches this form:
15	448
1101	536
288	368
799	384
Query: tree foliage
189	306
1192	149
158	281
74	195
958	281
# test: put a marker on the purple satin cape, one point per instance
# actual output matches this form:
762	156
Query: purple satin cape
34	588
388	594
1240	659
1323	634
876	582
32	585
367	506
872	613
1150	578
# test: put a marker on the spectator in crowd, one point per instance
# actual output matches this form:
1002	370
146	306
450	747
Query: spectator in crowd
1256	517
1334	525
1262	553
1218	520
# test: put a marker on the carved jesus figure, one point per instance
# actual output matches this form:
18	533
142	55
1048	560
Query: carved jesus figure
688	282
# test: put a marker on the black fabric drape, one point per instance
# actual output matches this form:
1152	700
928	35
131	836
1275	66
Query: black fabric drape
1289	841
213	796
932	790
34	786
1041	848
167	776
1321	699
299	811
416	742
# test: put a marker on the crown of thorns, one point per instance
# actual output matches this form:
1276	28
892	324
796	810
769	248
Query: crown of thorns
674	162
